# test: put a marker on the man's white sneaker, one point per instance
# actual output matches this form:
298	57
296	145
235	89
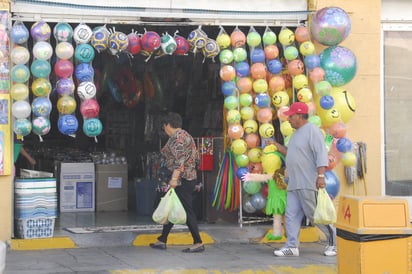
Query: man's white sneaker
287	252
330	250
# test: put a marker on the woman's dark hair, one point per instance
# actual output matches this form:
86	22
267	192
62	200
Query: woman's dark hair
173	119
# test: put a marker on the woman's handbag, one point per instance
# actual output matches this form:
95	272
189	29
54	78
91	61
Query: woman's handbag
325	212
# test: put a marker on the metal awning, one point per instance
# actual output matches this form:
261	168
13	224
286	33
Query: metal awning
164	12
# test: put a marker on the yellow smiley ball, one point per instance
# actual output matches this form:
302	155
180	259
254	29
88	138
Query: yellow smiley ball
286	37
344	103
329	116
266	130
286	129
304	95
300	81
280	99
307	48
238	146
250	126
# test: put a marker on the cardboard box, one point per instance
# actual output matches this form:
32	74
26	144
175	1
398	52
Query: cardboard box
77	187
111	187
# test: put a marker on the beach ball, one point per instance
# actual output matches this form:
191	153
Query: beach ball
86	90
41	106
258	201
291	53
260	86
233	116
245	99
302	34
242	69
22	127
41	87
311	61
323	88
21	109
339	64
231	102
280	98
271	52
262	100
20	73
247	113
100	40
304	95
135	45
253	39
19	55
238	146
223	40
226	56
19	34
330	26
84	72
344	145
237	38
329	116
84	53
89	108
247	205
252	140
63	68
296	67
286	37
332	183
264	115
82	34
228	88
348	159
300	81
276	83
244	84
251	187
63	32
307	48
269	37
274	66
344	103
286	128
65	86
258	71
241	160
64	50
167	44
266	130
257	55
227	73
42	50
40	31
19	91
239	54
41	125
250	126
254	155
235	131
66	104
326	102
40	68
182	45
92	127
67	124
317	74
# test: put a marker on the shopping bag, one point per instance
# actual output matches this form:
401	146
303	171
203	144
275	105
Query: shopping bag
325	212
177	214
161	213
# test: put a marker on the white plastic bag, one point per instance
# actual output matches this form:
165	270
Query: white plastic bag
177	214
325	212
161	213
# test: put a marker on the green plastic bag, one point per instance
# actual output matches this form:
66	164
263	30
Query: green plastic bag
161	213
325	212
177	214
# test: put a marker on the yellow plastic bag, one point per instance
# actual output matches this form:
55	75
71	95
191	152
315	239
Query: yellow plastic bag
177	214
325	212
161	213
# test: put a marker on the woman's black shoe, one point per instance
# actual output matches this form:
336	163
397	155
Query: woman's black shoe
198	249
158	245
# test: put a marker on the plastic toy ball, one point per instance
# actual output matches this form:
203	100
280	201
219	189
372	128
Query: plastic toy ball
252	140
332	183
286	37
247	113
238	146
250	126
242	160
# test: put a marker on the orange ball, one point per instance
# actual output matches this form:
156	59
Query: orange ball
264	115
276	83
252	140
302	34
256	167
258	71
271	52
296	67
227	73
244	84
237	38
317	74
338	130
235	131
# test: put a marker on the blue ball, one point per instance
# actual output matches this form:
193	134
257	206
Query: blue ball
257	56
68	124
274	66
84	72
344	145
241	171
332	183
326	102
19	34
312	61
41	106
242	69
262	100
228	88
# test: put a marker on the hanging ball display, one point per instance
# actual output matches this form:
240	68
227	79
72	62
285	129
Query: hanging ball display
233	116
332	183
258	71
241	160
280	98
82	34
302	34
291	53
40	68
317	74
182	45
269	38
281	113
260	85
274	66
265	115
323	88
296	67
242	69
41	87
65	86
64	50
244	84
344	145
250	126
228	88
227	73
326	102
330	26
286	37
20	74
237	38
63	32
311	61
19	34
19	91
307	48
247	205
304	95
276	83
84	72
252	140
41	125
238	146
118	41
231	102
197	39
258	201
22	127
329	116
348	159
84	53
211	48
92	127
21	109
239	54
300	81
63	68
262	100
235	131
226	56
223	40
135	44
167	44
86	90
253	39
254	155
42	50
66	105
245	99
247	113
271	52
100	40
41	106
339	64
286	128
40	31
266	130
344	103
315	119
90	108
257	55
67	124
251	187
19	55
338	130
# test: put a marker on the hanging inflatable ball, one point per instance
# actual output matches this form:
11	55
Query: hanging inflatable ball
41	125
315	119
269	38
245	99
67	124
197	39
168	44
226	56
19	34
307	48
22	127
135	46
291	53
241	160
89	108
260	86
253	39
258	201
323	88
304	95
262	100
41	87
211	49
250	126
182	46
330	26
257	55
19	91
65	86
84	53
344	145
274	66
231	102
329	116
344	103
339	64
227	73
235	131
223	40
311	61
233	116
66	105
228	88
150	41
338	130
332	183
276	83
118	41
258	71
247	205
242	69
40	31
316	74
100	40
19	55
237	38
64	50
244	84
239	54
86	90
296	67
281	113
240	172
63	68
286	129
40	68
348	159
247	113
265	115
84	72
271	52
252	140
41	106
302	34
20	73
300	81
326	102
82	34
266	130
21	109
63	32
254	155
286	37
238	146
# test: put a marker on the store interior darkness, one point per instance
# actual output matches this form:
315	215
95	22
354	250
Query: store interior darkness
189	85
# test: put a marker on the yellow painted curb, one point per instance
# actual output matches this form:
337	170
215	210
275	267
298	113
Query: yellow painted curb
307	235
178	238
43	243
